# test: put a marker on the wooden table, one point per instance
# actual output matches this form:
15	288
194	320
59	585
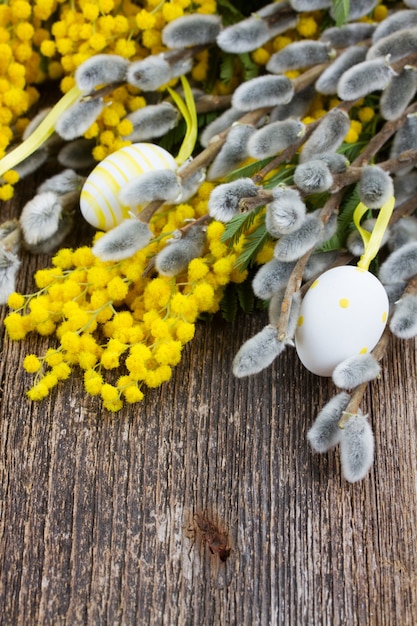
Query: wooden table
96	508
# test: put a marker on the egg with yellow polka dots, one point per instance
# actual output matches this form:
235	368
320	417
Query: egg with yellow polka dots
343	313
99	200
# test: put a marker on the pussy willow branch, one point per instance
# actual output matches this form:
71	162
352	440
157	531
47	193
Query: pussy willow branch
359	391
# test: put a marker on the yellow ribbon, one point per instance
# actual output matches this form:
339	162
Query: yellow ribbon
41	132
189	113
372	241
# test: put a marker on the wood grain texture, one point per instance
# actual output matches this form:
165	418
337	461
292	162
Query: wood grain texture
96	509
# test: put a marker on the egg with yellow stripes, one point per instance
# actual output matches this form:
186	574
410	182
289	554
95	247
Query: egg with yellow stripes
343	313
99	201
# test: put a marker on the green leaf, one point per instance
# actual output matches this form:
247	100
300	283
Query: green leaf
247	171
229	12
341	11
227	67
228	304
246	296
253	245
250	68
238	225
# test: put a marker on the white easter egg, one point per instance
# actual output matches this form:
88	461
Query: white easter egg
343	313
99	201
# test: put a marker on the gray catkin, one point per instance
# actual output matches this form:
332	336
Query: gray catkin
175	257
313	176
150	186
271	277
375	187
191	30
325	432
336	162
9	266
40	217
318	263
328	135
224	200
405	139
100	69
405	186
356	448
310	5
402	232
77	154
364	78
233	151
399	20
65	182
355	370
77	119
329	78
150	73
348	34
122	241
398	94
396	46
245	36
258	352
403	322
274	137
262	91
299	55
153	120
285	213
221	123
291	247
400	265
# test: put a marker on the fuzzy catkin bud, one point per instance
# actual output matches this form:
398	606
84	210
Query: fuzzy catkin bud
149	186
375	187
9	266
298	55
285	213
400	265
405	139
191	30
347	35
328	135
76	120
310	5
318	263
364	78
356	448
224	200
313	176
262	91
62	183
154	120
297	108
325	432
291	247
221	123
403	323
329	79
402	232
123	241
258	352
399	20
32	163
274	138
336	162
355	370
270	278
233	151
150	73
77	154
40	217
398	94
396	46
100	69
175	257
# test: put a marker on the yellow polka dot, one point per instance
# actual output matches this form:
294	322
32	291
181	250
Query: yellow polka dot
363	351
316	282
344	303
384	317
300	320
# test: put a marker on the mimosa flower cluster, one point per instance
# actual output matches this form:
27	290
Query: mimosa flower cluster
306	137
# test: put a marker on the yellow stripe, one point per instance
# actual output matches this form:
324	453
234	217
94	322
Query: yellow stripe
90	204
95	205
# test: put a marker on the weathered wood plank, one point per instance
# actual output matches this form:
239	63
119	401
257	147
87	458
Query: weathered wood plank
96	508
